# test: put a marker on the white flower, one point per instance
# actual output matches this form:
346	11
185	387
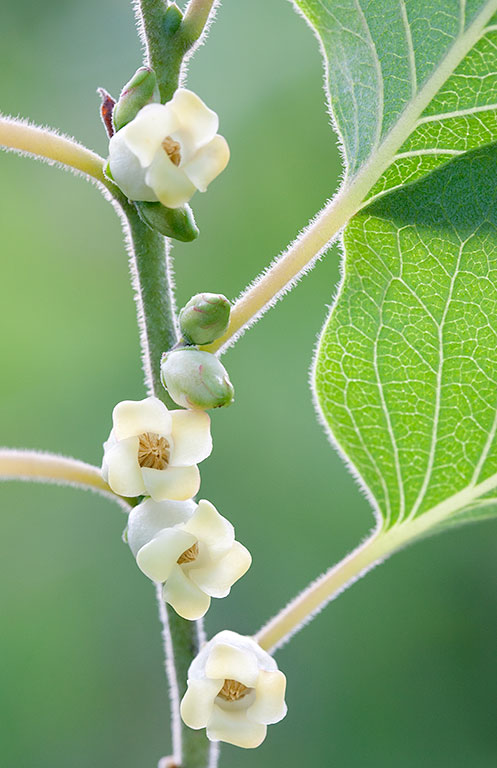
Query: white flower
235	690
191	548
154	451
168	151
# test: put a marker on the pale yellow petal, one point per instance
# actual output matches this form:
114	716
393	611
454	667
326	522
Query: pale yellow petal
218	579
177	483
208	162
212	529
227	662
191	433
269	705
133	417
127	171
185	597
235	728
149	518
145	134
158	557
198	702
123	471
194	117
168	181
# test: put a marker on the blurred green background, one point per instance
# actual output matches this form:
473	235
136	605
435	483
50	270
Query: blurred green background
401	670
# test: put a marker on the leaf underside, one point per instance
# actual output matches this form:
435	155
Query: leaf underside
406	368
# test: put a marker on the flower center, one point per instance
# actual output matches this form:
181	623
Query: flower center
172	149
154	451
189	555
232	690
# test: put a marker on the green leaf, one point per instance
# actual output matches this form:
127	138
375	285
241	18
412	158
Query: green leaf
410	83
406	370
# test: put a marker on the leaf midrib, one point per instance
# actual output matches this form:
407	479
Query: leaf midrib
360	184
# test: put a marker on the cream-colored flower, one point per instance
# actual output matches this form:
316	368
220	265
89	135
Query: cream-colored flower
168	151
154	451
190	548
235	691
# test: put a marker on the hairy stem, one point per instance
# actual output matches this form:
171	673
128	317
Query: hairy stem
316	238
155	305
196	17
168	37
156	318
22	137
61	470
381	544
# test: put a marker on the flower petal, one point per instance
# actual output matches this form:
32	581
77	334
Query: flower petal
177	483
145	134
157	558
194	117
185	597
211	528
191	433
217	580
123	471
198	701
228	662
127	171
269	705
208	162
235	728
133	417
149	518
169	182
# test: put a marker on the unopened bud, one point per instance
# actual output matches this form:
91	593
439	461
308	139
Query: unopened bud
205	318
196	379
178	223
172	19
141	90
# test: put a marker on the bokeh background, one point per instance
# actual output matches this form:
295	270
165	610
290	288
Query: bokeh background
399	671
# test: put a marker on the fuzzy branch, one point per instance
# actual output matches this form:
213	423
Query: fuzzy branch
60	470
21	136
170	39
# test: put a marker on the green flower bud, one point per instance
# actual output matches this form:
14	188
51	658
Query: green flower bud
178	223
141	90
196	379
172	19
205	318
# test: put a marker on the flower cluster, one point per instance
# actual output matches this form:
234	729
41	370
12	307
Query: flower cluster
163	153
189	548
235	689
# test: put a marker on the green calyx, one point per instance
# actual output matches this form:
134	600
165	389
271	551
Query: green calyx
141	90
204	318
196	379
177	223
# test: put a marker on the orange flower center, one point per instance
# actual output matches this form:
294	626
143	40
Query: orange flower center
189	555
232	690
172	149
154	451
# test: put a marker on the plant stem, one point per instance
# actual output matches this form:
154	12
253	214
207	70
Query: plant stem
196	17
155	305
320	592
285	271
380	545
168	38
22	137
149	254
61	470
